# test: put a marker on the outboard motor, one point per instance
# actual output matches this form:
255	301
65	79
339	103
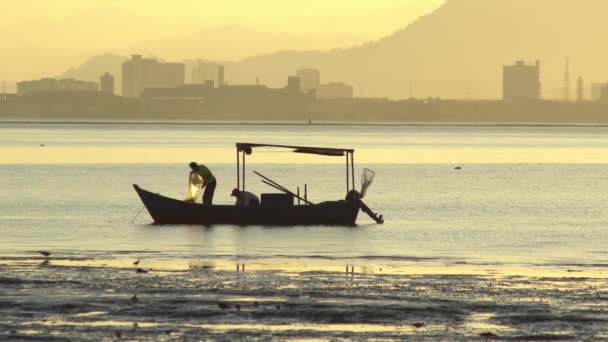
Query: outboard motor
354	196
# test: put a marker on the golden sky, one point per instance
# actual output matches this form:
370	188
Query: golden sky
15	11
68	32
261	13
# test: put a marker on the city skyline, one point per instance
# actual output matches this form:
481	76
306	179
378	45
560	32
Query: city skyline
156	90
409	67
520	81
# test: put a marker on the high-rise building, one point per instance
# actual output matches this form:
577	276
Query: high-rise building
106	84
596	91
521	82
604	93
140	73
137	73
580	90
293	84
567	82
310	79
220	76
203	72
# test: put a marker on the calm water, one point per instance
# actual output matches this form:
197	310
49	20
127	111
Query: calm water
525	196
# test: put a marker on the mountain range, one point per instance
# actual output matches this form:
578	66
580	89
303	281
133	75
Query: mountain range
47	47
457	51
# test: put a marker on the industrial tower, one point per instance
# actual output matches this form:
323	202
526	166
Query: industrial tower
567	81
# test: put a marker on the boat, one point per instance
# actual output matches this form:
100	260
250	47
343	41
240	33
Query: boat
276	209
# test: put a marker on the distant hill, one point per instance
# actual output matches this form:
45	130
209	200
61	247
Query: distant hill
42	48
209	44
235	43
458	50
96	66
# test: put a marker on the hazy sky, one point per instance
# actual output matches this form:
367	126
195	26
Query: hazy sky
68	32
261	13
22	10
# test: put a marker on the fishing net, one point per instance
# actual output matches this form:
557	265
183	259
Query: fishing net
195	185
366	181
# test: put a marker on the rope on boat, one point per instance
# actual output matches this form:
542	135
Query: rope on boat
139	212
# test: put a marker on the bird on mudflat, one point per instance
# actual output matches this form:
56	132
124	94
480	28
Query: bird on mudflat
134	299
140	270
136	262
45	253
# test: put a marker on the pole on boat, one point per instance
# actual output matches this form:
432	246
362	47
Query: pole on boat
306	193
238	170
298	195
278	186
352	167
244	171
275	185
347	184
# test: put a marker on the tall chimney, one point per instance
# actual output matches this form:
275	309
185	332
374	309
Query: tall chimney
220	76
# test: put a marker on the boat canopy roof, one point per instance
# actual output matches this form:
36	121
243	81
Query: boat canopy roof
324	151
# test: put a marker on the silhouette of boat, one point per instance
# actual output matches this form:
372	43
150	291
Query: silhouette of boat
276	209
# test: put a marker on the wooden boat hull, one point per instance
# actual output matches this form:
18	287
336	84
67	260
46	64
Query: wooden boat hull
165	210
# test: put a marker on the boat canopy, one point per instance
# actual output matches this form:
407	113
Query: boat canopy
243	149
324	151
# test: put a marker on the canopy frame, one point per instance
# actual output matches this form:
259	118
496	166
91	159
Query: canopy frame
243	149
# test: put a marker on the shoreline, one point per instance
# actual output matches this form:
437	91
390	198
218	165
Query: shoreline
387	266
294	123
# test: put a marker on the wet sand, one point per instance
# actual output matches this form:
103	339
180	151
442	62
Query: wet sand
73	298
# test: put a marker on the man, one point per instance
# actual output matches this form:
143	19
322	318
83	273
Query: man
209	182
245	198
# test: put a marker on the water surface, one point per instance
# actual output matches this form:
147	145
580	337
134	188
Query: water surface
489	212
